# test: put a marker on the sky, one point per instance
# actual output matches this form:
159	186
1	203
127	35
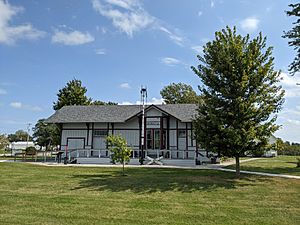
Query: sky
115	46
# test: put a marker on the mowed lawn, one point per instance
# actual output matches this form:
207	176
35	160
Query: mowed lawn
278	165
31	194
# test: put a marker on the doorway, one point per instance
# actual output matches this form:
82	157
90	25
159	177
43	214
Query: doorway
155	139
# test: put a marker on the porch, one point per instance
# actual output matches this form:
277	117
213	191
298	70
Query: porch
166	157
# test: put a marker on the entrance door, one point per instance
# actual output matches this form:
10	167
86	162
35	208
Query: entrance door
153	139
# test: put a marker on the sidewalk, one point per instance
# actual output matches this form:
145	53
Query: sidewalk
261	173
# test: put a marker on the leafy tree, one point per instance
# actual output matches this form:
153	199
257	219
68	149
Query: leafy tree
294	36
72	94
240	93
4	142
97	102
46	135
19	135
279	144
118	146
285	148
179	93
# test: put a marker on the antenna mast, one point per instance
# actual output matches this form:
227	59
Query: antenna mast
143	101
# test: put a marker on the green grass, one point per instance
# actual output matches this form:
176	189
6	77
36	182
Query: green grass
76	195
278	165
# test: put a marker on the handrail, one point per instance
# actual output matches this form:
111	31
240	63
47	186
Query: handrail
105	153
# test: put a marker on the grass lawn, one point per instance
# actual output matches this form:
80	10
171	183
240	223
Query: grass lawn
33	194
279	164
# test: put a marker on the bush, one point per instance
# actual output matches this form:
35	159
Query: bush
257	152
298	162
290	150
30	150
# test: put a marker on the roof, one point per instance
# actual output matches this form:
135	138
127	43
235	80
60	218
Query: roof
117	113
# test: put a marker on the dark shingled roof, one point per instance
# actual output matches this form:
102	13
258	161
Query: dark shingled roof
117	113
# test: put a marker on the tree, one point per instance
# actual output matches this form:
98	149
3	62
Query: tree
72	94
241	95
46	135
97	102
179	93
294	36
4	142
118	146
19	135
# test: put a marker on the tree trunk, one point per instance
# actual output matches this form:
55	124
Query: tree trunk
123	168
237	166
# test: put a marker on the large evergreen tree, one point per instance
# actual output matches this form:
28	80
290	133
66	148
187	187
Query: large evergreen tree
179	93
72	94
294	36
240	92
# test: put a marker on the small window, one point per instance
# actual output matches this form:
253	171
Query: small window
181	134
100	133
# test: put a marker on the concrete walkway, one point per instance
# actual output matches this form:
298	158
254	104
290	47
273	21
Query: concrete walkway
260	173
232	162
203	167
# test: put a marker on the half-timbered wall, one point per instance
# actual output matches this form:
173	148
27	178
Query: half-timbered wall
179	134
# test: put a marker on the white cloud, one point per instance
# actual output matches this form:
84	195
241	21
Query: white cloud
126	4
175	38
289	84
16	105
126	103
9	34
290	129
72	38
153	101
200	13
170	61
19	105
3	92
125	86
100	51
126	15
249	24
11	122
103	30
198	49
212	4
129	17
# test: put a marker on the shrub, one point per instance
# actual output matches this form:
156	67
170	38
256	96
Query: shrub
289	150
30	150
298	162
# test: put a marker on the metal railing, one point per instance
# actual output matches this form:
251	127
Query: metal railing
104	153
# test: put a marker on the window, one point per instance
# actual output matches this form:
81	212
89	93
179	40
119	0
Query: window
181	133
100	133
149	139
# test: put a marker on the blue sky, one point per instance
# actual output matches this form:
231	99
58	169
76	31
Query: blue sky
115	46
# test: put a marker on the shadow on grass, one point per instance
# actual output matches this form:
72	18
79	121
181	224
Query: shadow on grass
271	169
149	180
276	170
